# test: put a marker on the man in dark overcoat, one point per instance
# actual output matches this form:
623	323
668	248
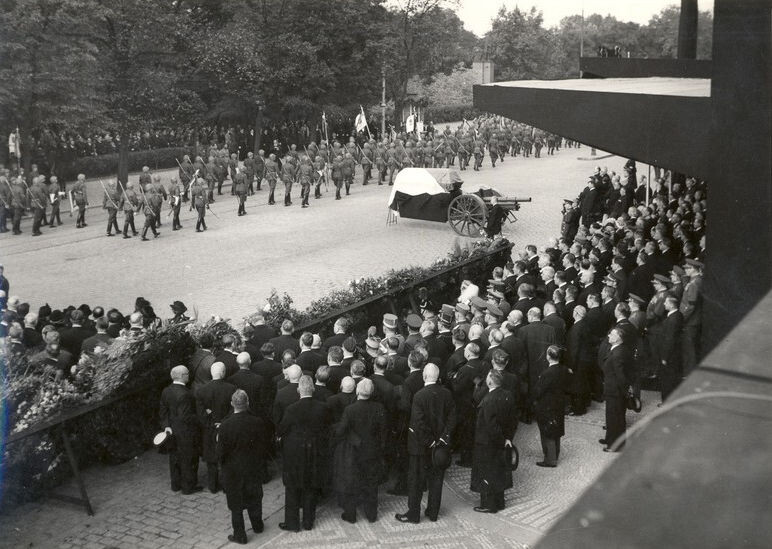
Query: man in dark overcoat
494	431
213	404
242	448
616	368
178	418
359	466
549	397
432	420
303	431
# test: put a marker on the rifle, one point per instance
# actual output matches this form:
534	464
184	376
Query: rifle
108	194
406	155
125	196
31	195
460	145
10	189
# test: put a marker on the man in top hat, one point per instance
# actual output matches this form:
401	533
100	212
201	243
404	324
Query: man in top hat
432	420
494	431
691	309
178	418
179	308
242	449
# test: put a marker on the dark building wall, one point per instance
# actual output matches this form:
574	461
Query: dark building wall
621	67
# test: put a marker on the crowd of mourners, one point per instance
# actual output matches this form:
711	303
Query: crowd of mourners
611	306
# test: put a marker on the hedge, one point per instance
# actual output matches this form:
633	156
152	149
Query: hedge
450	113
107	164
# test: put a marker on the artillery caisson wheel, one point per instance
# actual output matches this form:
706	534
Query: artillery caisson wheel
467	214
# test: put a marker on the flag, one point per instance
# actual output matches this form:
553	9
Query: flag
419	126
361	121
410	124
14	144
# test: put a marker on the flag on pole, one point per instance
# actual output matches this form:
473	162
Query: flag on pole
419	126
14	144
410	123
361	121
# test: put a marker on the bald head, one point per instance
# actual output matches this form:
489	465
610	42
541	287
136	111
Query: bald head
305	386
294	373
534	314
240	401
347	384
218	370
431	373
515	317
180	373
243	359
365	389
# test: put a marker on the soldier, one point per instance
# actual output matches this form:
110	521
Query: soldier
463	153
367	163
55	197
221	169
240	189
451	150
271	174
260	168
79	196
288	172
186	172
5	201
305	174
110	203
233	165
145	178
175	202
161	195
249	171
347	167
477	151
493	149
38	200
149	201
199	200
393	162
380	162
129	203
439	154
538	144
319	176
336	172
428	154
211	177
418	155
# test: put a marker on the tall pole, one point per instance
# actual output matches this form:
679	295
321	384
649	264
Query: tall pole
581	44
383	100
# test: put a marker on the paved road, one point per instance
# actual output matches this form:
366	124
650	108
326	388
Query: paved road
230	269
136	509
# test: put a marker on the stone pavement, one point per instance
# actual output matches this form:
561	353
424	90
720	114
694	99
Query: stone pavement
230	269
136	509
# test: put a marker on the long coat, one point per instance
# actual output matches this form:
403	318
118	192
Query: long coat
213	404
537	337
550	401
361	440
432	417
242	446
304	431
178	412
496	423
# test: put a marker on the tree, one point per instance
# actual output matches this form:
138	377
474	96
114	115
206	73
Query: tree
48	70
660	36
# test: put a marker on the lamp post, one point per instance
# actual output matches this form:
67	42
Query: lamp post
258	125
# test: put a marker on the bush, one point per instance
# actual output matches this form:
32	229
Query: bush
450	113
107	164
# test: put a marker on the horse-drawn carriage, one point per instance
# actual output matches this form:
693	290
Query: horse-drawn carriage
434	194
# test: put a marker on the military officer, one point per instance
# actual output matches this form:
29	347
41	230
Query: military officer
79	196
186	172
233	165
249	171
367	163
260	168
211	177
38	201
319	175
161	197
110	203
347	168
288	172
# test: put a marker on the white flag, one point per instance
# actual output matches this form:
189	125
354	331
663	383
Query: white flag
14	147
419	127
410	123
361	121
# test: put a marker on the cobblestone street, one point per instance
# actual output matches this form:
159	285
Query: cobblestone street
135	507
230	269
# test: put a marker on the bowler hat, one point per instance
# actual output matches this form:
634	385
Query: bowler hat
57	317
440	457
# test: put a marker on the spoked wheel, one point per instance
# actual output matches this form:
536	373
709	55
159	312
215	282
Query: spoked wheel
467	214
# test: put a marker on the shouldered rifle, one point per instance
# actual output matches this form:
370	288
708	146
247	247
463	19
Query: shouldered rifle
108	195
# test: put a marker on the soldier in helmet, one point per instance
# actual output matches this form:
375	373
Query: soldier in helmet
80	199
249	171
380	162
393	161
319	174
5	200
493	149
160	191
110	202
347	167
260	168
175	202
271	174
305	176
211	178
367	163
337	175
288	172
233	165
55	195
150	201
145	178
129	203
199	199
240	189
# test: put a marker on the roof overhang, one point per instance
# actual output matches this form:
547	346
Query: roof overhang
660	121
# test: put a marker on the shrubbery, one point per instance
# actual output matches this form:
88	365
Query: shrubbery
107	164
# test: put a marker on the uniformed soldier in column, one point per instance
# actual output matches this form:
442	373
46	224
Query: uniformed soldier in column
249	172
38	201
55	197
271	175
305	176
288	173
18	204
129	203
348	167
110	203
149	209
199	200
175	202
240	189
79	197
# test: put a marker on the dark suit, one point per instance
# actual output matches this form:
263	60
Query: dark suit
549	408
213	404
359	457
303	431
229	359
537	337
268	369
463	395
334	341
178	411
337	373
615	383
282	343
491	470
337	403
285	397
308	361
559	325
261	334
254	385
322	393
242	448
670	351
71	339
432	417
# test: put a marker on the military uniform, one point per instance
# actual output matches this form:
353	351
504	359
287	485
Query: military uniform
347	167
151	205
367	163
305	176
175	203
80	199
110	203
39	199
493	149
249	172
380	162
129	202
259	169
55	197
198	196
337	175
271	174
233	164
240	189
319	175
186	172
5	203
288	171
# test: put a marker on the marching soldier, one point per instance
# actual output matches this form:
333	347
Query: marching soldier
38	201
249	171
418	155
129	203
199	200
451	149
493	149
288	178
55	196
271	174
348	167
186	174
18	204
260	167
211	177
240	189
305	174
463	152
5	201
319	168
110	203
439	154
393	162
233	165
151	203
367	163
79	196
175	203
145	178
160	192
380	162
337	175
428	154
221	169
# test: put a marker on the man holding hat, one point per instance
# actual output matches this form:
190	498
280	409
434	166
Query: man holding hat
178	308
178	419
432	420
